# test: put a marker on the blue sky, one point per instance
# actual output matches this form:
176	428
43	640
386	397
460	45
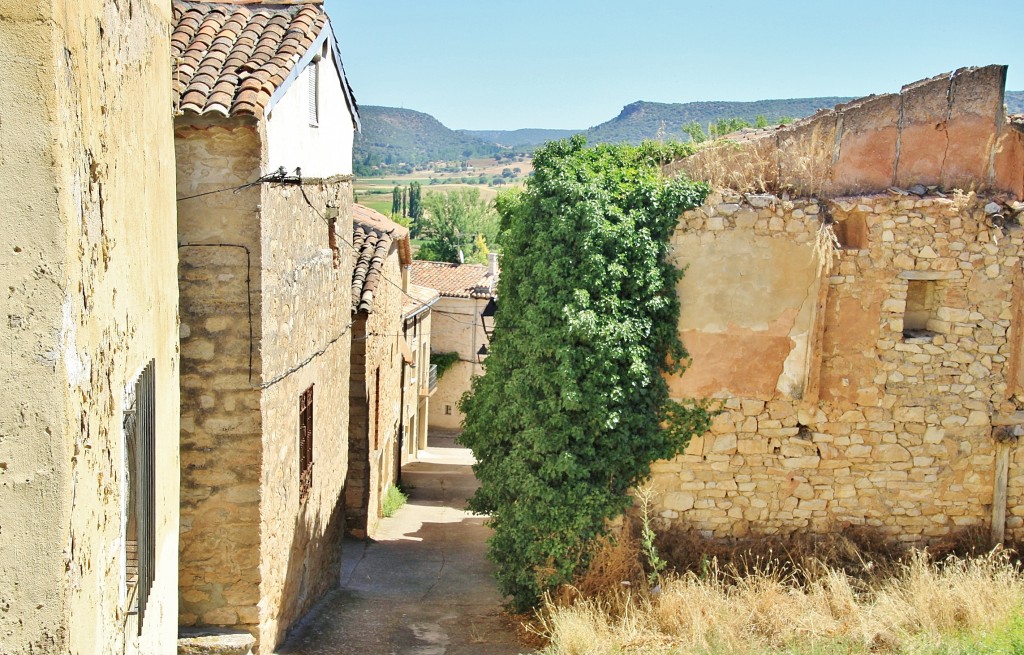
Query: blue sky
486	64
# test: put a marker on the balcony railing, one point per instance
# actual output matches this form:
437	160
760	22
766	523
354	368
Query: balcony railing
429	381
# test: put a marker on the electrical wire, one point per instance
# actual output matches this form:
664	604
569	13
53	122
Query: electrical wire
277	176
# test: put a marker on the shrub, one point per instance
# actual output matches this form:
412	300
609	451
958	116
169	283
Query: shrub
393	500
573	407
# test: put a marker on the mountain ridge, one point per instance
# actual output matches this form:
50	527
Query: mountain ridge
393	139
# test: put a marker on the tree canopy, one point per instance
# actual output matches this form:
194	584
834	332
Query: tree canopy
573	407
454	221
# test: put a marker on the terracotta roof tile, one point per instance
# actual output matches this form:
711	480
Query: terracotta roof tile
372	236
213	42
454	280
417	297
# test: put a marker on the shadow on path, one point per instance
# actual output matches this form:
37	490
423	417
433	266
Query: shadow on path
423	586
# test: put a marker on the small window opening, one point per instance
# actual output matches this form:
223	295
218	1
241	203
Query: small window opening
448	410
921	306
314	93
852	232
305	442
376	409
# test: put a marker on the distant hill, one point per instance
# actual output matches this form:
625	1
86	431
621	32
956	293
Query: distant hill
1015	102
648	120
393	136
522	137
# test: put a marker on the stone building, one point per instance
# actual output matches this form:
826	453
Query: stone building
873	381
381	253
88	420
263	135
420	375
465	290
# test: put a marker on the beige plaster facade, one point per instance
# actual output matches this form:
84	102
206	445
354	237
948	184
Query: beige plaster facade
420	376
456	328
90	299
258	547
883	391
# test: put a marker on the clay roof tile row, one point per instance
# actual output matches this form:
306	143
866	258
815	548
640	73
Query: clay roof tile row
230	57
372	237
454	280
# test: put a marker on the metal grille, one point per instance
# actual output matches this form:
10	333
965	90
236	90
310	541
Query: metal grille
305	441
314	94
140	538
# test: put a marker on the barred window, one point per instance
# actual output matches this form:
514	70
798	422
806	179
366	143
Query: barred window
140	466
305	441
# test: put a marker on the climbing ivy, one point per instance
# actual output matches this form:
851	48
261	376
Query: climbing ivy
443	361
573	407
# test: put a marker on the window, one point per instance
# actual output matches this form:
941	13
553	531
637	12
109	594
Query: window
448	410
852	233
140	467
305	442
920	308
376	410
314	92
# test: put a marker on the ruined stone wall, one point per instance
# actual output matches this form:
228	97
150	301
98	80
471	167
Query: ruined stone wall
89	298
949	130
221	446
306	340
376	389
866	426
456	328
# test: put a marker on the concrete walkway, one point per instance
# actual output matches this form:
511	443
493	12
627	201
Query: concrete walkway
422	586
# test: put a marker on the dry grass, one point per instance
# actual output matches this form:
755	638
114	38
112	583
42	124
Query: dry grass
813	596
797	160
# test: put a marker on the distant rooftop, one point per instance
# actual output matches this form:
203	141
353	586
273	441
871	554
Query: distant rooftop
454	280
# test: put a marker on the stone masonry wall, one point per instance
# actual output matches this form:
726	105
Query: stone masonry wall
867	426
89	298
373	431
306	340
221	453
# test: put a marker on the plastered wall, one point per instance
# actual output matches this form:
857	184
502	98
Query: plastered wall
89	298
456	328
886	430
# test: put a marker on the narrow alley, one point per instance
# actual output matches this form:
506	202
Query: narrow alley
423	586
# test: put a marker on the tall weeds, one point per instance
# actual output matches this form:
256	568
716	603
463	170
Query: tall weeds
918	606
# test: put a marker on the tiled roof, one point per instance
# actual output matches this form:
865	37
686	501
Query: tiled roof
372	236
418	297
230	57
454	280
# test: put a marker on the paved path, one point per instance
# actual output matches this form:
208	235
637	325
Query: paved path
423	585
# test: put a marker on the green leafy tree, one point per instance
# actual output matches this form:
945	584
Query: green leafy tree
396	201
573	407
451	222
761	121
696	132
415	209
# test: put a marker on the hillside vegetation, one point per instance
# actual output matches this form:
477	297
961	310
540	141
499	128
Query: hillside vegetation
523	137
1015	102
393	136
398	140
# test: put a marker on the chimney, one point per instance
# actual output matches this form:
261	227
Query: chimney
492	264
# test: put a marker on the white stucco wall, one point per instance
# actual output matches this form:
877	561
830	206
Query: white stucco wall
320	151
